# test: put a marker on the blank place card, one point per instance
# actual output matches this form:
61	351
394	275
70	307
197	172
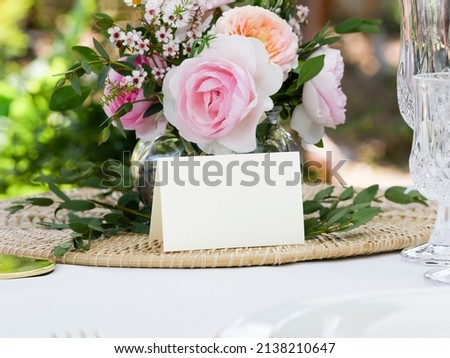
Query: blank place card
227	201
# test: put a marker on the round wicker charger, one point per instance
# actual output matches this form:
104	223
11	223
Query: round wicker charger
397	227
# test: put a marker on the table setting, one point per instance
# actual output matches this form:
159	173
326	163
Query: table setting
125	250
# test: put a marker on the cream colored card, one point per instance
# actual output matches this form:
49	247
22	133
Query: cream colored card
226	201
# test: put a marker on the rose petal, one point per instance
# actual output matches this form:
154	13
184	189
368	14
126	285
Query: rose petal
310	131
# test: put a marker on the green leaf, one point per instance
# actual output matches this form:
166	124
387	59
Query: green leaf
65	98
61	82
58	192
81	243
104	135
139	228
76	85
330	40
158	107
347	194
86	67
104	21
359	25
123	68
77	205
366	195
85	53
324	194
319	144
126	199
310	206
124	109
363	216
401	195
417	197
79	227
397	194
113	218
96	225
14	208
102	76
63	248
66	244
310	225
149	88
54	226
100	49
40	201
310	69
60	251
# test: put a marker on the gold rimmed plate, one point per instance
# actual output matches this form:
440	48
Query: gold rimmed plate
12	266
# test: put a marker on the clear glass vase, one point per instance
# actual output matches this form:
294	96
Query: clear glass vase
271	137
143	161
425	38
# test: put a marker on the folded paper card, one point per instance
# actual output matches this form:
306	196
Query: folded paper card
225	201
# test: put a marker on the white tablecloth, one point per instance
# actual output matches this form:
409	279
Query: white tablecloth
118	302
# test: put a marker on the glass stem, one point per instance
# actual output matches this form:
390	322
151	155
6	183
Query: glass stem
441	231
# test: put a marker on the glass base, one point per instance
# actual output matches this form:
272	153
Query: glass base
439	275
428	254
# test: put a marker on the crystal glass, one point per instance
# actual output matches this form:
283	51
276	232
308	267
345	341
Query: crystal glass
439	275
425	46
430	162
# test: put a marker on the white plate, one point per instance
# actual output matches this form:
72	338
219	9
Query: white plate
420	313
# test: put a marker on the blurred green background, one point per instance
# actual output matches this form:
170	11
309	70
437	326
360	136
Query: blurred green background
35	41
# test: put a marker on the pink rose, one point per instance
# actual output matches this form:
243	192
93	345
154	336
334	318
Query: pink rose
218	98
277	35
116	94
146	127
323	102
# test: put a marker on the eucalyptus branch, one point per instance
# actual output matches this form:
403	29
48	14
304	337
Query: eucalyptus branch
121	208
328	212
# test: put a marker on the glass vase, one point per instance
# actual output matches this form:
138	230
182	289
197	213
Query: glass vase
144	157
271	137
424	46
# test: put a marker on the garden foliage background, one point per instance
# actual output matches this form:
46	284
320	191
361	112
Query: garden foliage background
35	41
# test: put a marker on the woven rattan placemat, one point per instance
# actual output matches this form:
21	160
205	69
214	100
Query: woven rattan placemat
395	228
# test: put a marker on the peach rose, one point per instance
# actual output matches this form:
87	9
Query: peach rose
277	35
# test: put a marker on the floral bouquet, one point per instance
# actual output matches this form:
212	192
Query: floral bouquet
210	77
218	75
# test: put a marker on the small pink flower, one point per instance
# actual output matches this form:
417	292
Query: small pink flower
118	91
277	35
323	101
218	98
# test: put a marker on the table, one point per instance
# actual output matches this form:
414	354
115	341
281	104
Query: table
120	302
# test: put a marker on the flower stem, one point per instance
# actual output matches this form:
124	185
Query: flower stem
122	208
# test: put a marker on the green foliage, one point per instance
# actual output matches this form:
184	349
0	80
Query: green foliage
328	213
399	195
33	139
349	26
289	96
13	42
